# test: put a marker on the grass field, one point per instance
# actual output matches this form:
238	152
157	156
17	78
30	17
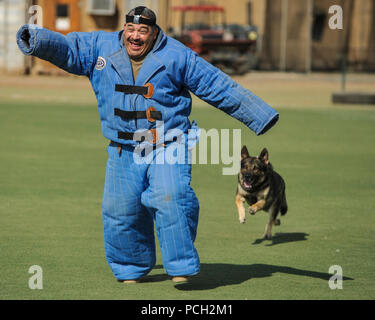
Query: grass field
52	163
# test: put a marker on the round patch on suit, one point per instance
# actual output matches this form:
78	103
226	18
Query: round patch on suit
100	63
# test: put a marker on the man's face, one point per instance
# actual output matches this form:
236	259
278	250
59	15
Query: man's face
138	39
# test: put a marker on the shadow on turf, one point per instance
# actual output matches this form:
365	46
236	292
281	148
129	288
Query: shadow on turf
220	274
279	238
156	277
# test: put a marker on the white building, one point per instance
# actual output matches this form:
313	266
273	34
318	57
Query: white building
12	16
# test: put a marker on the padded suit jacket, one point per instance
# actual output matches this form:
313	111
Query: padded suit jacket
171	68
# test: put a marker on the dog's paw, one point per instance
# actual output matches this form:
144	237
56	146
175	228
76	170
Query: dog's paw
242	220
252	210
267	236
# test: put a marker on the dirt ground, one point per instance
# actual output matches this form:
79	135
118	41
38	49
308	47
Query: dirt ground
283	90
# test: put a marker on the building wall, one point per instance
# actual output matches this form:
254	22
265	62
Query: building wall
285	48
370	53
300	52
107	23
355	40
12	15
326	48
328	51
362	48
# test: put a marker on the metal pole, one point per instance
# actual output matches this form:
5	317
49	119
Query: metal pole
5	34
249	11
283	34
362	33
28	59
168	24
261	24
310	8
343	74
345	54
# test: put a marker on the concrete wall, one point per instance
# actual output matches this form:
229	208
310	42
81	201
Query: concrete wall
12	16
292	53
362	47
326	51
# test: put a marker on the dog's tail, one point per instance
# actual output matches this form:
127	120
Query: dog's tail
284	206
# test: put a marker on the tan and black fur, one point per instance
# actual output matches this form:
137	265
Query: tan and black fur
262	188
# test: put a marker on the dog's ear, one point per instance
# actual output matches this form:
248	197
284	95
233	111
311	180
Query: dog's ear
244	153
264	156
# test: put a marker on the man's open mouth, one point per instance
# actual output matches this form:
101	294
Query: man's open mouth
135	45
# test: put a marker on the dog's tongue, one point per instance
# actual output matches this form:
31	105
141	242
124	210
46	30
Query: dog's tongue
246	184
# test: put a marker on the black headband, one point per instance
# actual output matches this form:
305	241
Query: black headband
137	19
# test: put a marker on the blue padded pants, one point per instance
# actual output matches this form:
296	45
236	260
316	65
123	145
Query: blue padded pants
136	195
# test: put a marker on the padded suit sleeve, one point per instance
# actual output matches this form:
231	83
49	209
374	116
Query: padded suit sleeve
218	89
73	53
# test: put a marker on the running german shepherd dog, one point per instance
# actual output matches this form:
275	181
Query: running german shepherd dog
262	188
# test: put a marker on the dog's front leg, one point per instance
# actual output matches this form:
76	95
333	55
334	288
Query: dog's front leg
240	208
257	206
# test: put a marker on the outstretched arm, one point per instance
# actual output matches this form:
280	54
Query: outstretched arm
218	89
74	53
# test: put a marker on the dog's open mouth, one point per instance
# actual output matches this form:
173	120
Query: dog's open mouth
247	184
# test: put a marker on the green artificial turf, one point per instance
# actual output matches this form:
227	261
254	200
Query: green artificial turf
52	164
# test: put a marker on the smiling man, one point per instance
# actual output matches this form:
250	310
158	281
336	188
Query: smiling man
139	36
140	77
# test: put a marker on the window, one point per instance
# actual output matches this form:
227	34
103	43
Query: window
62	17
318	26
62	10
101	7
